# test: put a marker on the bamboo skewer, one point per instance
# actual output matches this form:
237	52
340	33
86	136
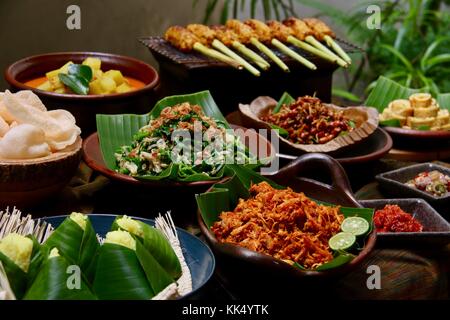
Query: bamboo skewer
291	53
220	46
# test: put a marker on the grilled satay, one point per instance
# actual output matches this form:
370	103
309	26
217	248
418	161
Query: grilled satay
231	39
303	32
186	41
209	36
324	33
247	34
286	34
265	34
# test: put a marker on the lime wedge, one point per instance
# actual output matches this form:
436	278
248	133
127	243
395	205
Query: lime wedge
342	241
355	225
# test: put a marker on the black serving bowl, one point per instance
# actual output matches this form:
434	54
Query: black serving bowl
84	108
393	184
436	231
260	271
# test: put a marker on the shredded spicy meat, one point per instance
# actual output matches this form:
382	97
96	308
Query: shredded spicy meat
308	121
393	219
281	223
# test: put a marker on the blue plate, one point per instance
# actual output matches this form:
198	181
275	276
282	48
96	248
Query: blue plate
198	256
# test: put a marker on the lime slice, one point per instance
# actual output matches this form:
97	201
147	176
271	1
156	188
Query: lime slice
342	241
355	225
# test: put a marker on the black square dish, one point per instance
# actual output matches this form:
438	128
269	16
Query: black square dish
436	231
393	183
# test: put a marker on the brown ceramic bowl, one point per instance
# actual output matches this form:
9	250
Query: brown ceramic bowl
84	108
238	261
418	139
93	157
26	183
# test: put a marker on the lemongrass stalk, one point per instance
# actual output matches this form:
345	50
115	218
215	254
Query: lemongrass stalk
337	48
309	48
270	54
224	49
318	45
249	53
291	53
216	55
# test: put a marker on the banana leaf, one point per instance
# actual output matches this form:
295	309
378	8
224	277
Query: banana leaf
158	278
286	98
224	196
158	246
387	90
78	246
18	279
53	283
120	275
115	131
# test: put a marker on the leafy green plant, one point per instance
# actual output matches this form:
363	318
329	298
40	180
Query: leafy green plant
277	9
412	47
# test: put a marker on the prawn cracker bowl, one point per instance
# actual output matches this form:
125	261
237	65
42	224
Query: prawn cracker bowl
85	107
25	183
365	119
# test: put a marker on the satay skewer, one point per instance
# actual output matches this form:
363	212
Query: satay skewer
230	39
304	33
186	41
286	35
266	34
247	34
327	35
208	35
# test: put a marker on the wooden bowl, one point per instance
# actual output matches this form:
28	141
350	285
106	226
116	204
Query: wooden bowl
365	118
26	183
255	267
93	157
84	108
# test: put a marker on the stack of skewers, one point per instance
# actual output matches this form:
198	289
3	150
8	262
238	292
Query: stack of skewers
218	42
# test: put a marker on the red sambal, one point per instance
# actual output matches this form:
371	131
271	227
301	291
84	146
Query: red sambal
393	219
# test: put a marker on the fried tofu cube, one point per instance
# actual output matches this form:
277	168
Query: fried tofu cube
95	87
94	63
116	75
108	84
124	87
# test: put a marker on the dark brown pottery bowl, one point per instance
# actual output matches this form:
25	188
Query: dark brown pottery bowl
419	139
84	108
26	183
436	231
254	267
393	183
93	157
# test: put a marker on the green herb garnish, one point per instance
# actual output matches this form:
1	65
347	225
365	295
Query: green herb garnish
77	78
